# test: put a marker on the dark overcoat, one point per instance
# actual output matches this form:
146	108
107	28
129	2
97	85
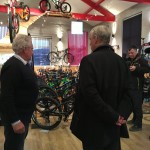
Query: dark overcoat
103	95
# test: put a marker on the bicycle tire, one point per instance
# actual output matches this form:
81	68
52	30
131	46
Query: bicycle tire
47	114
65	7
26	13
16	23
52	57
68	58
11	28
45	5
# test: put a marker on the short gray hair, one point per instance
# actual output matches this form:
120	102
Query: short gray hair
21	42
101	32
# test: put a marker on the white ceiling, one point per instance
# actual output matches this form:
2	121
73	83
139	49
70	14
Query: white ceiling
78	6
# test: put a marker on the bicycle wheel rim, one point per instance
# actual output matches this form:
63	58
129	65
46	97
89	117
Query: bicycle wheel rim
65	7
46	114
68	58
44	5
52	56
10	26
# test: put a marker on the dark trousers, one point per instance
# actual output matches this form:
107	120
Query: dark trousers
137	101
112	146
108	143
14	141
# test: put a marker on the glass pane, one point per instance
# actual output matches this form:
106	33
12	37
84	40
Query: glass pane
42	47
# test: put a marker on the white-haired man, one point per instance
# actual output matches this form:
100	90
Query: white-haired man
103	103
19	92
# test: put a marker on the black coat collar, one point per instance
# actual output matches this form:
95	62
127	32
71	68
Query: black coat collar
102	47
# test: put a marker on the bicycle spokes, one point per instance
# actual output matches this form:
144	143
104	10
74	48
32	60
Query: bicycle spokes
44	5
65	7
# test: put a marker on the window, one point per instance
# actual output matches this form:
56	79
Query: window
3	31
42	46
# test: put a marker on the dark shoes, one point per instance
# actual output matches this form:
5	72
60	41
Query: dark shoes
135	128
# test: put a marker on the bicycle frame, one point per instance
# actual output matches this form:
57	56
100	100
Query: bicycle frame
20	12
60	56
56	3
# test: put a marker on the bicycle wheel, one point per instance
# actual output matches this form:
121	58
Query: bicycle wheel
65	7
13	25
52	57
45	5
47	114
16	23
26	13
46	91
68	58
10	26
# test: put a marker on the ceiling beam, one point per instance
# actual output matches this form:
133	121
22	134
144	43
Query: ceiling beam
3	8
33	11
97	4
88	17
139	1
106	14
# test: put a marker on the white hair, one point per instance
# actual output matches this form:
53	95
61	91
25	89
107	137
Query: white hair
101	32
21	42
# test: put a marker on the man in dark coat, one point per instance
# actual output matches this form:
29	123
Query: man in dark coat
19	92
103	103
137	66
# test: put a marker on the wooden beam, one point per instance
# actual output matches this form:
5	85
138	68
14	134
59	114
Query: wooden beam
139	1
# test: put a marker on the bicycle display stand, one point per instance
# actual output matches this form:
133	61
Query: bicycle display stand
57	14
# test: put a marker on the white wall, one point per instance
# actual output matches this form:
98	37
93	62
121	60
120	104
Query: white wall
50	30
145	33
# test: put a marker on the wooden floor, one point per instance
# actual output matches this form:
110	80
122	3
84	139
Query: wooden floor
62	139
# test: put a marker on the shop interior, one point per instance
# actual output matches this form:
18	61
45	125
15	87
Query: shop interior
60	40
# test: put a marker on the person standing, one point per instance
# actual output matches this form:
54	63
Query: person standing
137	66
19	92
103	102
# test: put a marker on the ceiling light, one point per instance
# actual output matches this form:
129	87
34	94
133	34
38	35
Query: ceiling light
59	32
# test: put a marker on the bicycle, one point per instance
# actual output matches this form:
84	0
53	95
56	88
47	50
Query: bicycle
49	110
13	21
23	11
55	56
63	6
14	11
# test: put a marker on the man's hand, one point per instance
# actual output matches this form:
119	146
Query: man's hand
120	121
19	128
132	68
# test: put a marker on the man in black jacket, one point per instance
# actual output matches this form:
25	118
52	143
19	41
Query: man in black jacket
19	92
137	66
103	103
